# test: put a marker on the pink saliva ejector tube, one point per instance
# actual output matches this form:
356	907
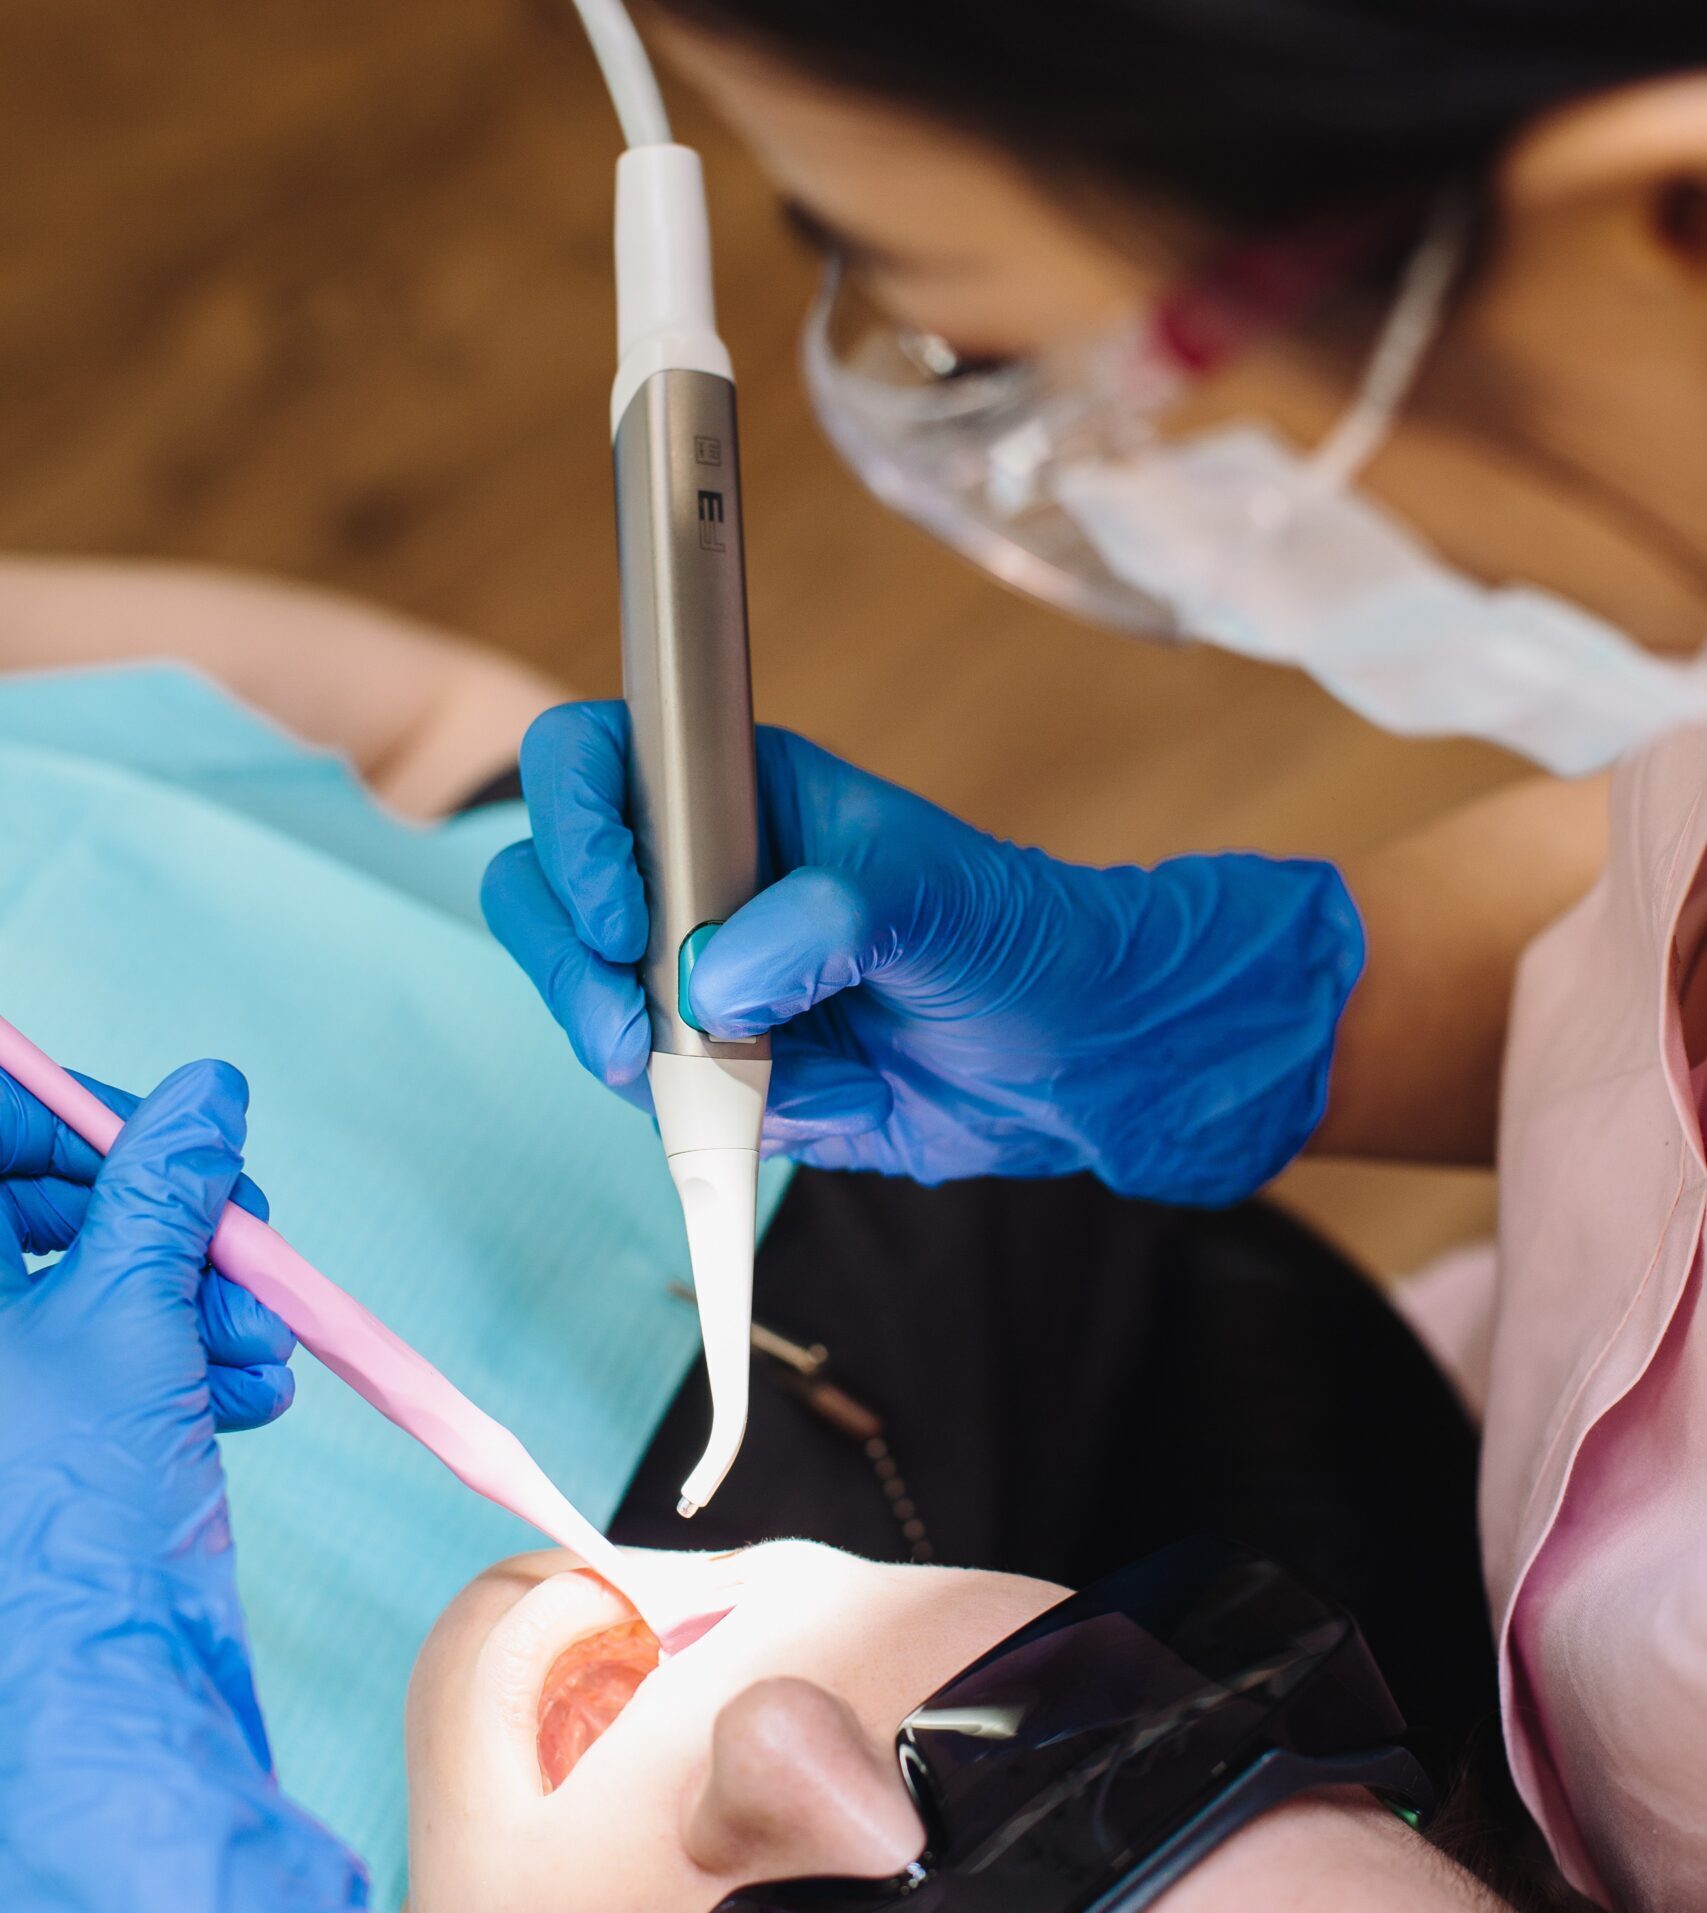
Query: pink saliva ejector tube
379	1365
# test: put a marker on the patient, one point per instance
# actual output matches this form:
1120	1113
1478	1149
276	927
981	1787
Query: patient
767	1751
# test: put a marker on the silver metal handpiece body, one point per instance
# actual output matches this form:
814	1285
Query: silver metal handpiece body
686	676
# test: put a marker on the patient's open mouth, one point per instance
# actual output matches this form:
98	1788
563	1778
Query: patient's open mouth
587	1686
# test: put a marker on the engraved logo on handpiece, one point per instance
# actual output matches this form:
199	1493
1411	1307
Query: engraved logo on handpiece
711	521
708	451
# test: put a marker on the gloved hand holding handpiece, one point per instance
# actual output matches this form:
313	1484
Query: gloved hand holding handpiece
134	1768
947	1004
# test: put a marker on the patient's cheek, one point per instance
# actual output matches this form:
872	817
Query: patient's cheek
588	1686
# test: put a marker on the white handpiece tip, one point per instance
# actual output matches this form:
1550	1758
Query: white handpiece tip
719	1190
707	1476
728	1426
710	1114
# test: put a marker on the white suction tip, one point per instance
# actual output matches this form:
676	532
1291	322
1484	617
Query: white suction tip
719	1192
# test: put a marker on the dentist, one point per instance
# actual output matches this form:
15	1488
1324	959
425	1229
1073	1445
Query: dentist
1297	327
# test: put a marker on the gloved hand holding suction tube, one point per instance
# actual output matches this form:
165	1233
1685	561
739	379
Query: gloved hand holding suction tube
947	1004
134	1768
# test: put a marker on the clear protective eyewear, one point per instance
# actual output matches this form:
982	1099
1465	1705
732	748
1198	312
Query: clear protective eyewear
1089	1761
973	451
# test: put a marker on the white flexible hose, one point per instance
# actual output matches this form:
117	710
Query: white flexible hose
628	72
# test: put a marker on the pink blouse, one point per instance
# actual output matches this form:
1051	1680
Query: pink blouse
1594	1491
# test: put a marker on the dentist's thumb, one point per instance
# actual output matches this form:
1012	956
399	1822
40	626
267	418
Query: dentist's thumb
160	1193
812	934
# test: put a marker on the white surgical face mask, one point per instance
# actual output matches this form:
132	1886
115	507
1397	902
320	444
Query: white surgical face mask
1051	474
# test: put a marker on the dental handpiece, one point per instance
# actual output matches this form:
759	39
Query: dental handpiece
692	795
692	789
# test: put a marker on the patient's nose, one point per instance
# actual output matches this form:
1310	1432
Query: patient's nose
796	1786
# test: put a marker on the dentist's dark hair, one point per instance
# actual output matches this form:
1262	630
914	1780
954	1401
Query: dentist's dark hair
1253	109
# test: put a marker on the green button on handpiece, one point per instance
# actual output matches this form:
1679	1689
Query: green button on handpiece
694	942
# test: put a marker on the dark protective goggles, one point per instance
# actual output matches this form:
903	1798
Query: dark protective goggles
1088	1761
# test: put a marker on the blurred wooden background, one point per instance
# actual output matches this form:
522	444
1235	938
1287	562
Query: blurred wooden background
321	288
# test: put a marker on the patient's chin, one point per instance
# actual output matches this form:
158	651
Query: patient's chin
586	1688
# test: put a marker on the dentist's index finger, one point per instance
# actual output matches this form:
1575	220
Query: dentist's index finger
600	1005
35	1142
574	763
46	1169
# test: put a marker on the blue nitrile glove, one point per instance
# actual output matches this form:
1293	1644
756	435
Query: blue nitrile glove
134	1770
950	1004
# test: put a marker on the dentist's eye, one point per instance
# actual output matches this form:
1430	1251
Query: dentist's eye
588	1685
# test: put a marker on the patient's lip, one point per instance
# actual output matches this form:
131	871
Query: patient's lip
695	1628
517	1654
702	1595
